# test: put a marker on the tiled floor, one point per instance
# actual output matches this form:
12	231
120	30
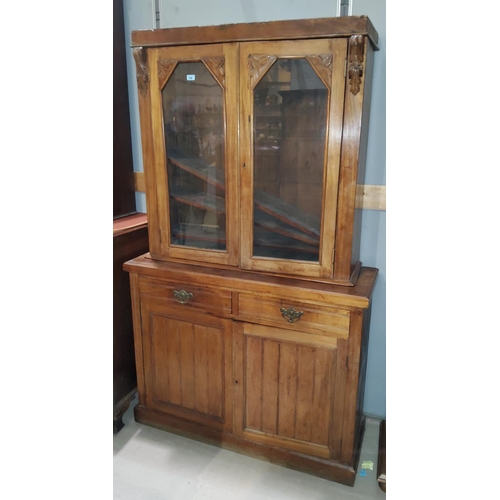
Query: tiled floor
150	464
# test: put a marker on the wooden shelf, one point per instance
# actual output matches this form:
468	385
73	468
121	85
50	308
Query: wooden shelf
263	201
205	201
129	223
287	213
263	239
214	239
261	219
197	167
368	196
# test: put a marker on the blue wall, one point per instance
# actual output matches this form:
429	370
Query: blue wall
373	242
139	14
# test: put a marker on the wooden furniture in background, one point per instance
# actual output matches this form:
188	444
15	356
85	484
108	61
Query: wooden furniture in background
123	171
381	457
130	239
251	311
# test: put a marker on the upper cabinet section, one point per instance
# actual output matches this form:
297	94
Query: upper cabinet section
290	140
253	141
189	135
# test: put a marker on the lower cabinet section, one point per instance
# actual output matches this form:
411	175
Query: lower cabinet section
287	389
290	393
188	365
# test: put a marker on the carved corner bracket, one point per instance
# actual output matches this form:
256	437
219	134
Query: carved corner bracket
142	69
258	66
216	66
356	55
165	69
322	65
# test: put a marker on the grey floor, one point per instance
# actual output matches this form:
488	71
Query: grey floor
150	464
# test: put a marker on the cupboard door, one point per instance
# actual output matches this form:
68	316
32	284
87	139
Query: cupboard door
194	125
285	389
188	360
292	96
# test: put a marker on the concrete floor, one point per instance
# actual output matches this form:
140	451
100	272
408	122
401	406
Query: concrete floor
150	464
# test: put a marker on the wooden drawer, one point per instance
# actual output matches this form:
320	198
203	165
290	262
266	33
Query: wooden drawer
203	299
314	319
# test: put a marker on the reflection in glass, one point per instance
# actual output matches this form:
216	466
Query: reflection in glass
194	134
290	110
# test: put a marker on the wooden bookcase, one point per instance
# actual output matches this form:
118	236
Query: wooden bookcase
251	311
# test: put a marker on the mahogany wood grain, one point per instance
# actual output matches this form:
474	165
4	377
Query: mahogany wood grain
226	366
349	431
293	392
297	337
304	410
332	165
216	369
226	52
352	173
188	367
293	410
201	367
138	347
273	30
185	353
239	378
270	387
229	54
147	142
363	361
302	290
327	321
253	383
208	300
324	391
249	196
231	110
362	155
166	359
336	420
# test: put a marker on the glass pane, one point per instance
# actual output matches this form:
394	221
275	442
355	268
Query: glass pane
194	133
290	107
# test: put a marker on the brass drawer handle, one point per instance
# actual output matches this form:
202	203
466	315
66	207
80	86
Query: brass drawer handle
291	314
182	296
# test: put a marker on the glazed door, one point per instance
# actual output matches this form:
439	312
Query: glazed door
292	96
194	125
285	385
188	365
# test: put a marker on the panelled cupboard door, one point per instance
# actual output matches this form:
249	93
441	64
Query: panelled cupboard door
194	126
285	389
292	99
188	360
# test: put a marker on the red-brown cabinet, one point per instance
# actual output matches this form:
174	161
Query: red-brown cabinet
251	310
